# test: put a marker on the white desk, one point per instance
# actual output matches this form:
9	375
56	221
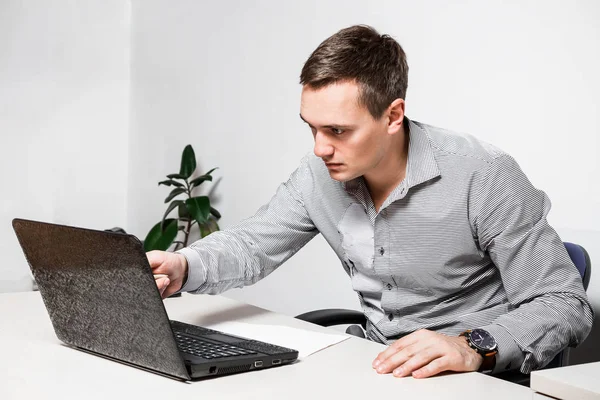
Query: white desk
576	382
34	364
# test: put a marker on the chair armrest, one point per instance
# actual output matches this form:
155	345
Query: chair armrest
334	316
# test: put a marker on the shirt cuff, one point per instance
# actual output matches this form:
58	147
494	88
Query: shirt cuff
509	356
196	272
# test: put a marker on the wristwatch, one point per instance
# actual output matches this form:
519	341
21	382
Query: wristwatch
483	343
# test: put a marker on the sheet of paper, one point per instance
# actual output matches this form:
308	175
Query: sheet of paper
306	342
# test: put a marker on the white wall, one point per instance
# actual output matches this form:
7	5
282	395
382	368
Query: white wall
64	112
223	76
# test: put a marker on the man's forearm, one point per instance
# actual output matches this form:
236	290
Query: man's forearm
541	328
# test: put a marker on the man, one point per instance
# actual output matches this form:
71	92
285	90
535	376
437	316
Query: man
444	238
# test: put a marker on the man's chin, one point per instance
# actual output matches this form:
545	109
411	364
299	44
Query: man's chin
340	176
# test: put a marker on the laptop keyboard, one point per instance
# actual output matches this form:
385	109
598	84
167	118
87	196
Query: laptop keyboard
208	350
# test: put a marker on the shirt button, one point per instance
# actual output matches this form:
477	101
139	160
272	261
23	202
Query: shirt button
390	316
389	286
381	251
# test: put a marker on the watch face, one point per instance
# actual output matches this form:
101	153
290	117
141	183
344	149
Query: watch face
482	339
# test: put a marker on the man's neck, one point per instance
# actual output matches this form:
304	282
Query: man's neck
382	180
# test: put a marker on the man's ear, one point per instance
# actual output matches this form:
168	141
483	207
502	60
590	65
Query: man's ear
395	114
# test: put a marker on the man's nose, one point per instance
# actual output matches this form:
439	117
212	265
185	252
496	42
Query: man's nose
323	148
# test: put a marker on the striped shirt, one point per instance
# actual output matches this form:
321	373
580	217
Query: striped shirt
462	243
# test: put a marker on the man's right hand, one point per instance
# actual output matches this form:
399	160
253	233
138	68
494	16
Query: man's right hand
173	265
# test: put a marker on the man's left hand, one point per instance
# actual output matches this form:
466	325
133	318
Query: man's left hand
426	353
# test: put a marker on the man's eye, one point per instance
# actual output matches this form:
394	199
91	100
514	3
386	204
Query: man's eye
337	131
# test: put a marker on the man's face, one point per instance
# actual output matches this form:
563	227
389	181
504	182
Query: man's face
347	138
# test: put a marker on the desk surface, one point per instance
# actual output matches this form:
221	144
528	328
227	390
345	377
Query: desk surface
34	364
577	382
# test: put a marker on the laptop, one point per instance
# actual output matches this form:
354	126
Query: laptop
101	297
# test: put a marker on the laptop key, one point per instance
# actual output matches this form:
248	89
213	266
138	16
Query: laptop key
206	349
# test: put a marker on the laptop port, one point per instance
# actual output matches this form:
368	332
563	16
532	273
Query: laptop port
258	364
212	370
276	362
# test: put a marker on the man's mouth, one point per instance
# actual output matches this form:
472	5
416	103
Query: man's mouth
333	165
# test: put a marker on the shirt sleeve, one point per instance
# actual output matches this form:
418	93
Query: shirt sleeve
549	307
249	251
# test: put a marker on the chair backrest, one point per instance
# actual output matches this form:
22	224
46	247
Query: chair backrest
581	259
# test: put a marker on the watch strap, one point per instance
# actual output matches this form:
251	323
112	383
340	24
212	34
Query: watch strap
489	358
489	361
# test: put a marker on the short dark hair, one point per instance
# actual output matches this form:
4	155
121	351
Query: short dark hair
359	53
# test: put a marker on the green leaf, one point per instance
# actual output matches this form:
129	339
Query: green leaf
175	203
199	208
215	213
197	181
188	162
212	224
183	212
174	192
210	172
158	239
175	176
206	177
170	182
204	231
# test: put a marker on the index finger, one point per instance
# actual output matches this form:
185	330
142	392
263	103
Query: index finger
155	259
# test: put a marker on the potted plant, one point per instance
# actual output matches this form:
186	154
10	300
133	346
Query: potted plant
192	211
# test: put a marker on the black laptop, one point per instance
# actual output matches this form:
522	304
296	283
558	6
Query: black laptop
101	296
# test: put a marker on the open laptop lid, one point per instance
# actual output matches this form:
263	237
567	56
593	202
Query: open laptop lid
100	294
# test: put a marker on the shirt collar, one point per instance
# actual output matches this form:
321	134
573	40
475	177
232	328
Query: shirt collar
421	165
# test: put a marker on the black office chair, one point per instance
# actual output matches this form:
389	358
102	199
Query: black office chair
331	317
